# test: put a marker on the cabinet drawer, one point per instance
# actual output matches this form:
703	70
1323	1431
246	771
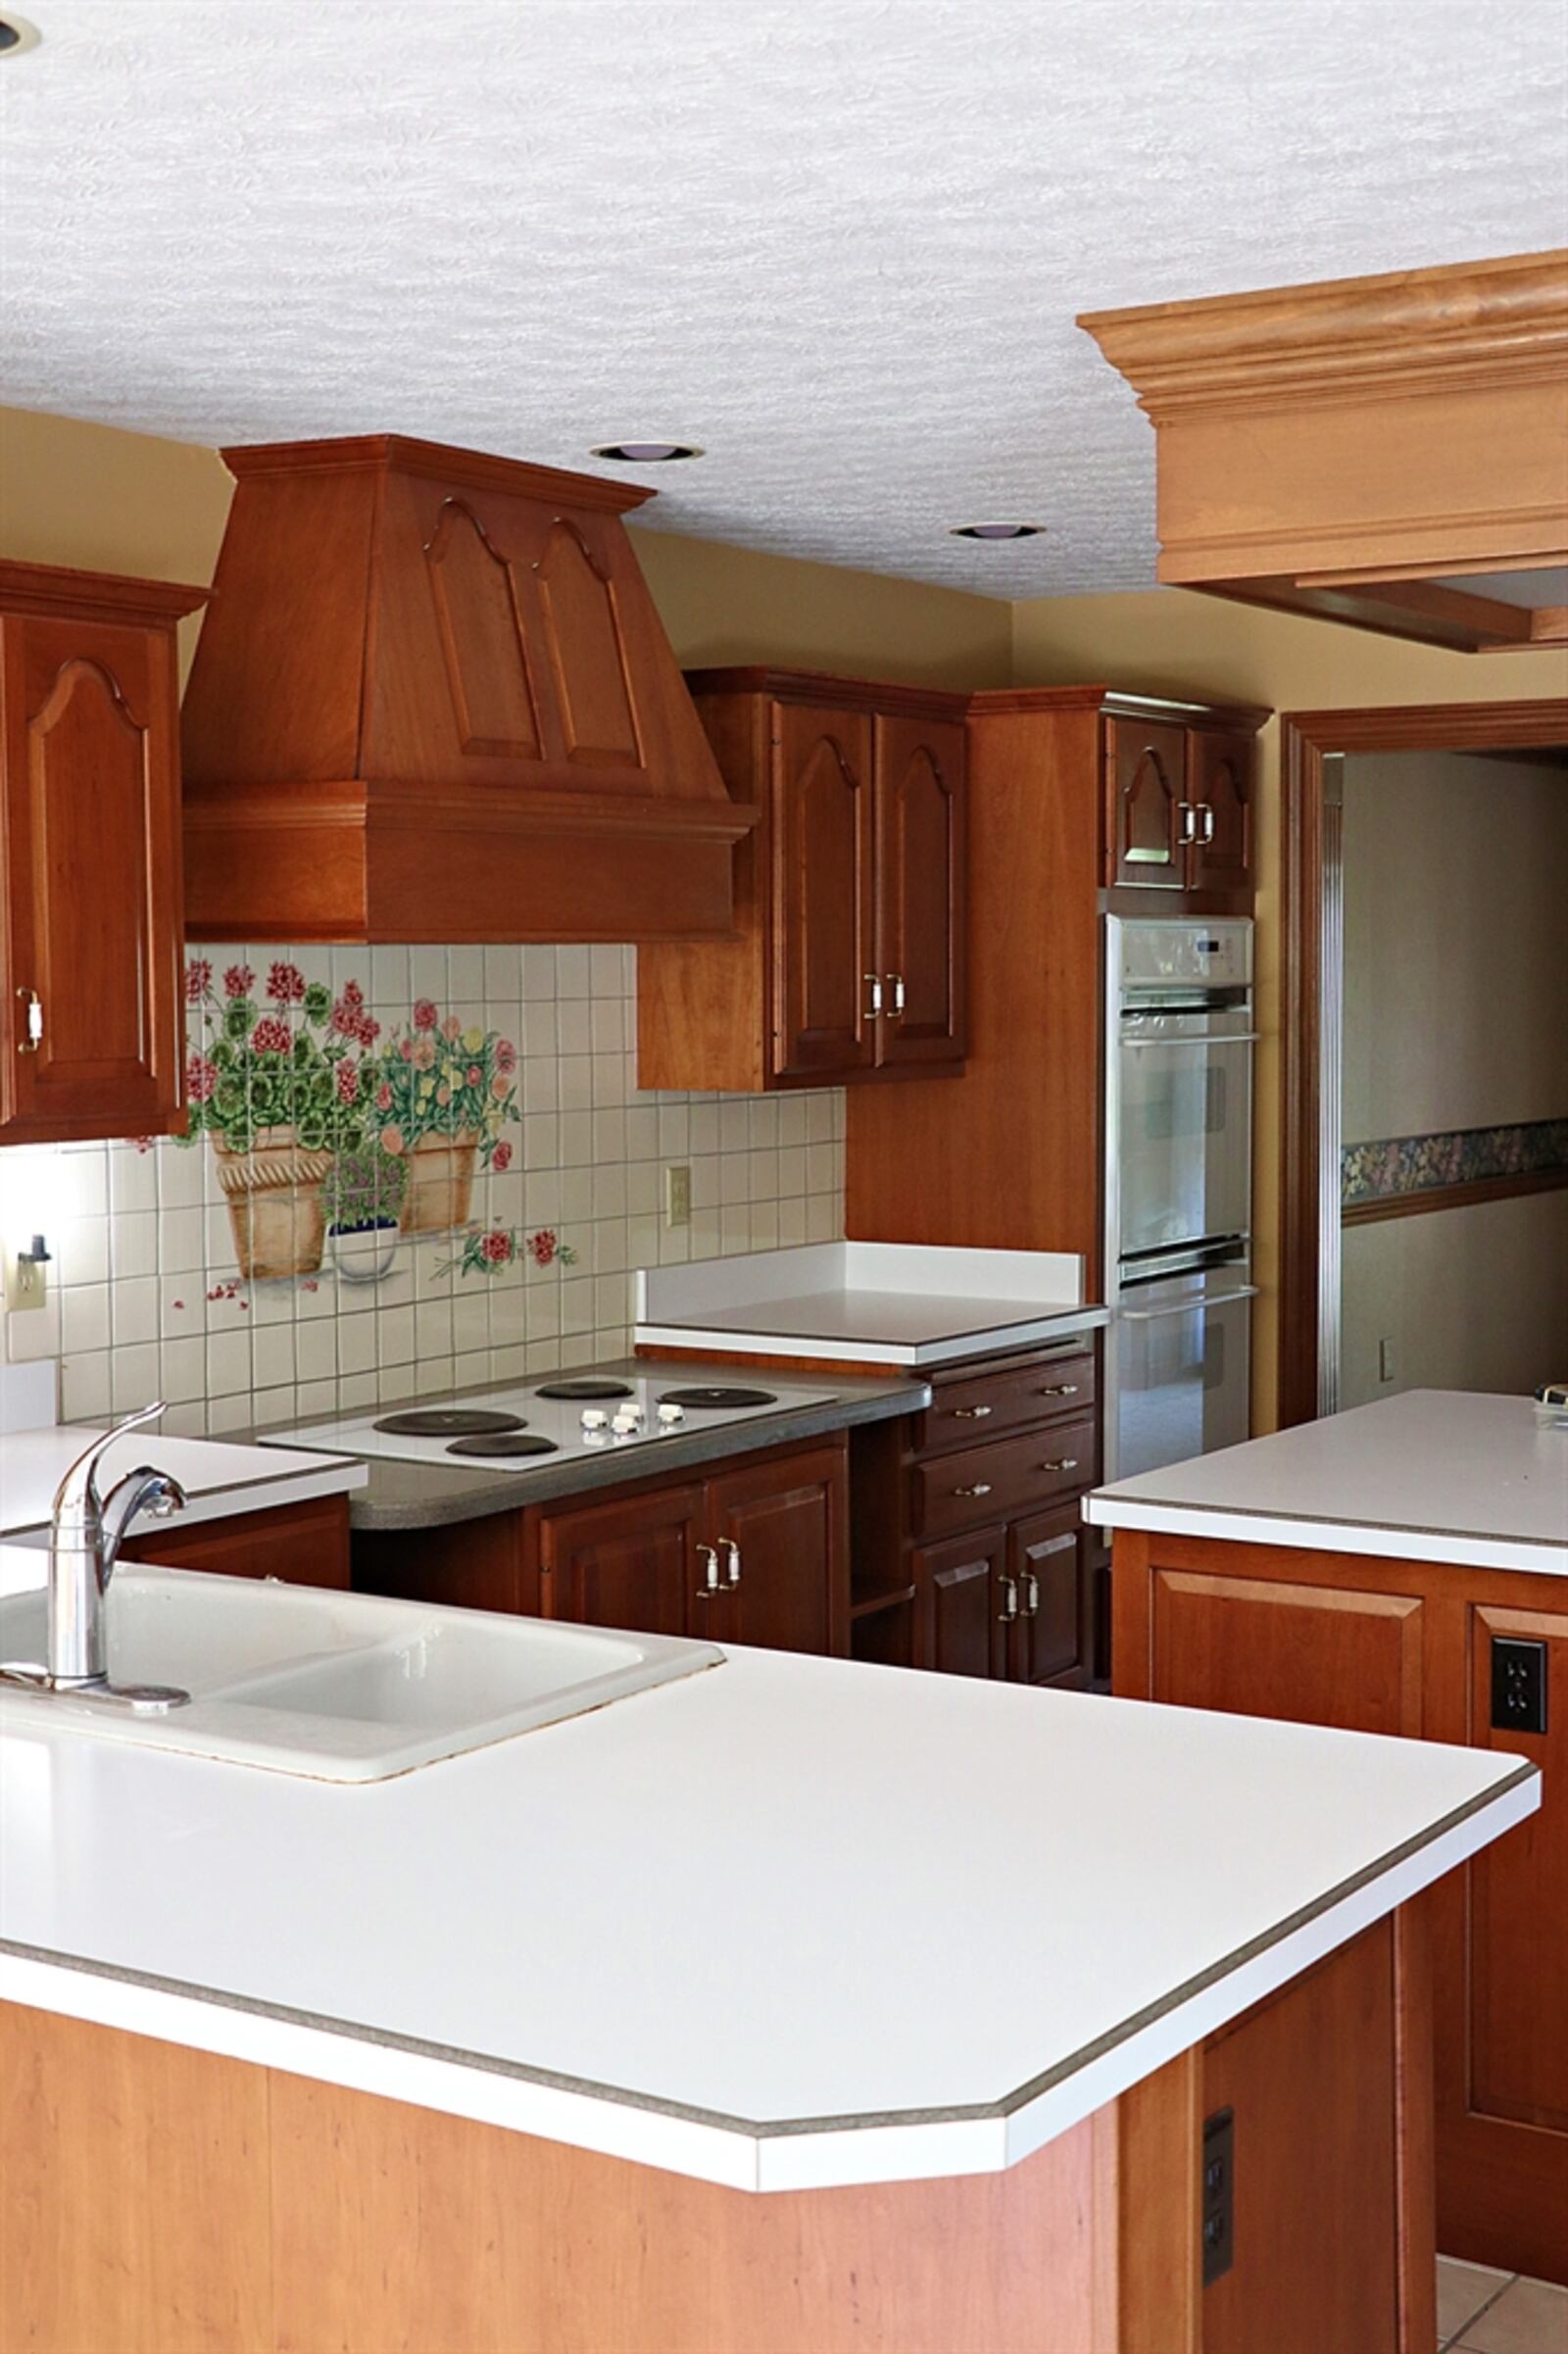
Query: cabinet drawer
1008	1476
1036	1390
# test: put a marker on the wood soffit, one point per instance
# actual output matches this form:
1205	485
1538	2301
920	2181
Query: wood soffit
1337	337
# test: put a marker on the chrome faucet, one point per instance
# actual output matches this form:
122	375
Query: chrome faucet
86	1536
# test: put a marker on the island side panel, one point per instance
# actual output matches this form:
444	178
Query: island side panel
1383	1646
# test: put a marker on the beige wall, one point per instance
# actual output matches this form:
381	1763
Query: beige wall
1471	1298
88	494
1177	642
1456	918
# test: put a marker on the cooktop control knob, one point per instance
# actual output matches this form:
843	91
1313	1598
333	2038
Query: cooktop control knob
628	1423
594	1418
671	1415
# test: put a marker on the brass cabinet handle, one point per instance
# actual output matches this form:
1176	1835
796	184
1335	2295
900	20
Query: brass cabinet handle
873	981
1186	810
1030	1587
1059	1390
1206	813
895	990
980	1488
1064	1463
732	1566
971	1413
708	1556
1010	1609
33	1040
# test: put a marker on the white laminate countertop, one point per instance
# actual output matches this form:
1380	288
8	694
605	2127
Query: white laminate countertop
1433	1475
873	1303
219	1479
790	1922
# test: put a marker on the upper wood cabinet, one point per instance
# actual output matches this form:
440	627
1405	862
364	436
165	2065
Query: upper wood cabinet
91	1007
1178	805
433	700
850	898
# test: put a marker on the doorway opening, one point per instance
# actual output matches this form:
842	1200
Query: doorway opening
1410	888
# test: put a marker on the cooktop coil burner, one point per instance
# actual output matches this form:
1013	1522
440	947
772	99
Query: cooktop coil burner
448	1422
716	1398
505	1444
588	1391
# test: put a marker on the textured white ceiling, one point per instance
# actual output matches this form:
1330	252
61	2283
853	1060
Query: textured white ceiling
839	245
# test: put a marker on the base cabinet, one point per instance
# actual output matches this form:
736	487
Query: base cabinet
1406	1647
301	1544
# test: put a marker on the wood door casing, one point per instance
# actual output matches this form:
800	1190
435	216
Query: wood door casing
91	880
1313	1654
629	1562
824	926
960	1584
1220	784
1146	771
920	888
789	1522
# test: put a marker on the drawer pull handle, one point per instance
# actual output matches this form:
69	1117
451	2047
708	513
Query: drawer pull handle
1063	1463
1059	1390
971	1413
980	1488
1010	1609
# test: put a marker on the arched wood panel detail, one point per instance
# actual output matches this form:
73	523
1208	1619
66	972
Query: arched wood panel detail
586	641
823	916
481	638
920	887
87	790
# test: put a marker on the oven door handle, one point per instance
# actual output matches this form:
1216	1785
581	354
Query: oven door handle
1189	1308
1191	1038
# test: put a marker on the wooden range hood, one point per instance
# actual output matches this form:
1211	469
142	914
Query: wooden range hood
1391	452
433	700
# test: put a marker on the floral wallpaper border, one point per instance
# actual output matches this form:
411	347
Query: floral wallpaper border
1417	1164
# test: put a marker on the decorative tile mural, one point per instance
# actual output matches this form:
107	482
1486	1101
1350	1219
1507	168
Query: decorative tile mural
1416	1164
408	1171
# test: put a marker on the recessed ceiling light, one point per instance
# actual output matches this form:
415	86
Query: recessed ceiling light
17	34
647	452
997	530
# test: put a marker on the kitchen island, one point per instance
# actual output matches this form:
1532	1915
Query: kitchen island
1402	1569
497	2055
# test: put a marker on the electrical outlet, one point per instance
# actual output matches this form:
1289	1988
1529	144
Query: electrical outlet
1518	1685
1220	2193
1385	1360
27	1281
678	1195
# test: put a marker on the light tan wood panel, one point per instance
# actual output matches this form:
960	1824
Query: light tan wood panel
400	2232
1316	1654
133	2196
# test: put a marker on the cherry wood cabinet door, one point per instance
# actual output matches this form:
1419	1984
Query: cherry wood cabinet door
629	1562
1049	1557
1315	1654
301	1544
920	888
782	1534
1147	804
91	1038
823	927
964	1589
1219	786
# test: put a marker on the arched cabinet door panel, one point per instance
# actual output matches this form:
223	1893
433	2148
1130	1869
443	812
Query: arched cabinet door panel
1221	782
1149	820
91	1040
823	932
920	816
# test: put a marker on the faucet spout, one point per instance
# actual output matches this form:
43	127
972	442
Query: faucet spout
81	1555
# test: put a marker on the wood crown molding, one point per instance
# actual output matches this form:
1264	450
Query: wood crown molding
477	469
1340	338
96	595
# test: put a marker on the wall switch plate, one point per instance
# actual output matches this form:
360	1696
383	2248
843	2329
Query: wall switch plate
1518	1685
678	1195
1385	1360
1219	2194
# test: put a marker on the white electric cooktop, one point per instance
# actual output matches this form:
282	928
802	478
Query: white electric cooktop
543	1422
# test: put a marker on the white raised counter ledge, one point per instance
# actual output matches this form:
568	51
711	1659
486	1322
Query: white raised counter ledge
1432	1475
864	1303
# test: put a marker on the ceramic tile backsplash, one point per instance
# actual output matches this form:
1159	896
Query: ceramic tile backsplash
418	1168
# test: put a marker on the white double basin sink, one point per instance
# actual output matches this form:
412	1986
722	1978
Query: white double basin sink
338	1686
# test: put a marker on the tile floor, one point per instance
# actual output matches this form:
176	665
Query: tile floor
1484	2312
